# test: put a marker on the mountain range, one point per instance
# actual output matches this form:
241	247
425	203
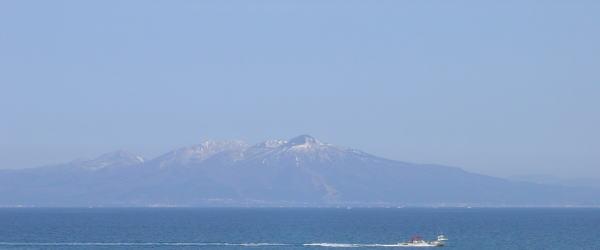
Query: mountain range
302	171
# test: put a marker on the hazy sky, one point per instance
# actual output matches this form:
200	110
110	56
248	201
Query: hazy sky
501	88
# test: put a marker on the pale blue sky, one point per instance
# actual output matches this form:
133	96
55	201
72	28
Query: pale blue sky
501	88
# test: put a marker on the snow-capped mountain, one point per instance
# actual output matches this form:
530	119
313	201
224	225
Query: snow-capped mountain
301	171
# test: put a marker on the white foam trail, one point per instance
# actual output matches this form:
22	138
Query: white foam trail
249	244
137	244
350	245
262	244
345	245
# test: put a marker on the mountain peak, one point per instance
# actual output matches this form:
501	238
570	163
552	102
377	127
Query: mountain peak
117	158
200	152
303	139
119	154
221	143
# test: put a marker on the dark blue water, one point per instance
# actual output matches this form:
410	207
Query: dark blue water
290	228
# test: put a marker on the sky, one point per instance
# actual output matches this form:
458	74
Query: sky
494	87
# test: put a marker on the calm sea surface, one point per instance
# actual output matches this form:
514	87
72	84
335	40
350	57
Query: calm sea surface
294	228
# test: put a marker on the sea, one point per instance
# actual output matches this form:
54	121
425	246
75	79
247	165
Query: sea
297	228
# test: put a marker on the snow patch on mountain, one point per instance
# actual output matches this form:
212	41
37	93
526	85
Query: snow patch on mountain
272	143
198	153
120	158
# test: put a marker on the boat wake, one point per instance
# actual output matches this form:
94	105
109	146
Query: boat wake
137	244
349	245
197	244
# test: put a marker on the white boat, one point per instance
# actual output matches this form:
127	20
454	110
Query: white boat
418	241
